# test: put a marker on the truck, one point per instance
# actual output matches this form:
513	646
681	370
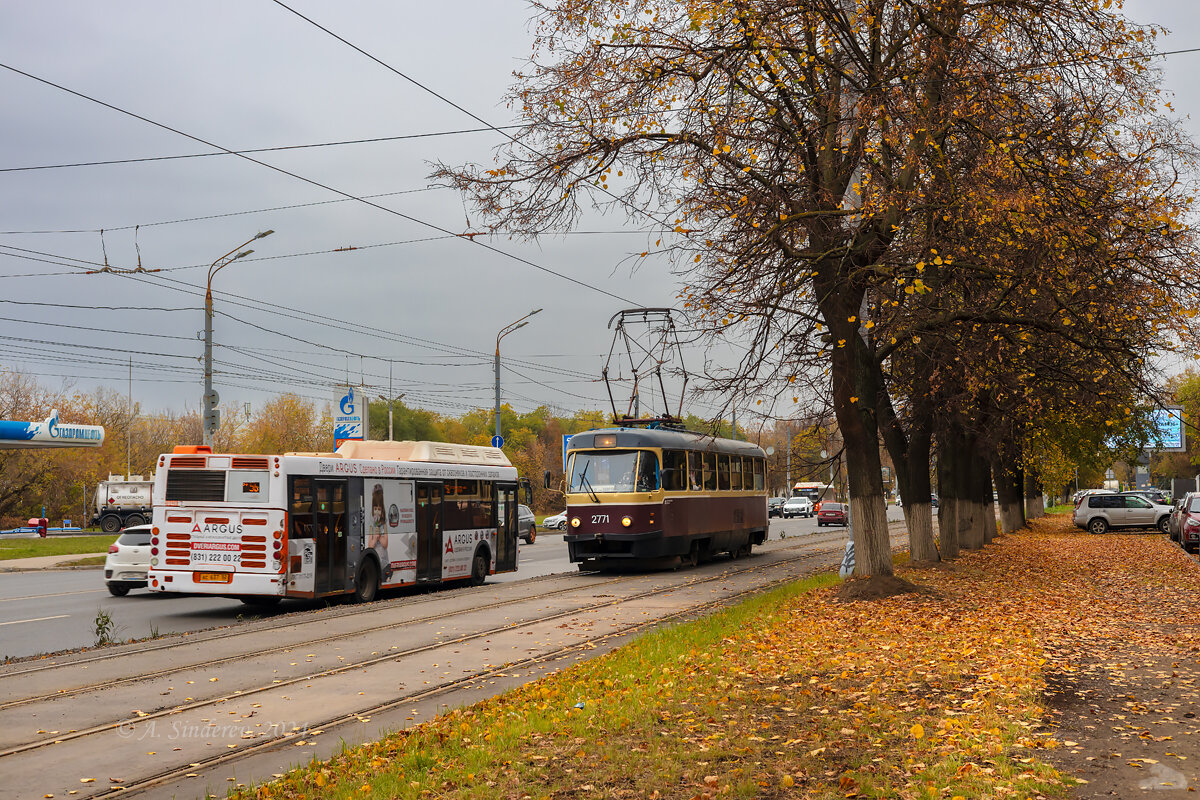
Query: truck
123	501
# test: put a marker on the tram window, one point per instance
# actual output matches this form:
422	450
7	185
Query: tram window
647	478
735	473
760	482
710	472
723	473
695	471
674	470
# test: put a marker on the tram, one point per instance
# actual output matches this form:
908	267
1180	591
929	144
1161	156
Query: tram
662	496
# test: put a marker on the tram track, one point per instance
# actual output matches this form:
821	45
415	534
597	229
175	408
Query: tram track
194	768
806	540
391	655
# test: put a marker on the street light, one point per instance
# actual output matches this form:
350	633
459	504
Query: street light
505	331
211	417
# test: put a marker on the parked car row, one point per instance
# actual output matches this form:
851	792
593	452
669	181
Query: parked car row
1184	524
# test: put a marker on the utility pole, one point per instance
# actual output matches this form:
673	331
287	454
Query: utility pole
210	417
788	429
505	331
128	418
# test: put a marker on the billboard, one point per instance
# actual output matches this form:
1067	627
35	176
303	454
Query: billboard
350	417
1168	425
48	433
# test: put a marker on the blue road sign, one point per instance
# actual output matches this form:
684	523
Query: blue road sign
497	441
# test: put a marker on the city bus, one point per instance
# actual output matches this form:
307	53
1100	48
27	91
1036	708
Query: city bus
649	497
372	515
814	490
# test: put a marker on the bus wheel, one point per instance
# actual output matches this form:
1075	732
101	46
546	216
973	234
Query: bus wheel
110	523
366	584
118	589
479	569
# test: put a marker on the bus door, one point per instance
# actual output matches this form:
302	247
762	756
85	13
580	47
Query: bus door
506	527
329	524
429	531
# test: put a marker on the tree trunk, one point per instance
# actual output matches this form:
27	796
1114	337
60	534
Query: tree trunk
1010	487
911	460
855	387
1034	505
971	520
983	495
948	464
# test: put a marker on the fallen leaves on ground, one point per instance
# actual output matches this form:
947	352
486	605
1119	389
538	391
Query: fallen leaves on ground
926	695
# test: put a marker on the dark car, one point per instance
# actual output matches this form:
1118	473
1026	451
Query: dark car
775	506
832	514
526	529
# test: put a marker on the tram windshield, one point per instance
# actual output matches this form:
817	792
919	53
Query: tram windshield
608	471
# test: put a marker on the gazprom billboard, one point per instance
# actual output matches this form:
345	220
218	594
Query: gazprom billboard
48	433
350	418
1168	426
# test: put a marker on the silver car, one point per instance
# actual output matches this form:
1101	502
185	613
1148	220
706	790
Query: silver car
526	529
1099	513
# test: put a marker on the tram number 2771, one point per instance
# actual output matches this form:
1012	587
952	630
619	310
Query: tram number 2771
598	518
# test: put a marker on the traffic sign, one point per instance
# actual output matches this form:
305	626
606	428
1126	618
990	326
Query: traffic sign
497	441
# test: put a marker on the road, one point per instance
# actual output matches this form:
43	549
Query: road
183	717
52	611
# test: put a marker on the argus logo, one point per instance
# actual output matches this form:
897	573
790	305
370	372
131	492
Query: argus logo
347	404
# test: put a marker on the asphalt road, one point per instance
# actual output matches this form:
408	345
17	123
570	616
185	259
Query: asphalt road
51	611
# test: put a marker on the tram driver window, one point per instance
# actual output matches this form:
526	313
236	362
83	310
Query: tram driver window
647	479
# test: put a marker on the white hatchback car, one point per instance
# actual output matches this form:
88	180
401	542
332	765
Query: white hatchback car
797	507
128	561
555	522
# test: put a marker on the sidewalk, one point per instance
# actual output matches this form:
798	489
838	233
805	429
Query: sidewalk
46	562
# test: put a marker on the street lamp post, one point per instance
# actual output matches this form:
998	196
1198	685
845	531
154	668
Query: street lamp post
505	331
211	417
391	401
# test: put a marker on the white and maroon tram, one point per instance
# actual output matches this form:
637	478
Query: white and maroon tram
658	496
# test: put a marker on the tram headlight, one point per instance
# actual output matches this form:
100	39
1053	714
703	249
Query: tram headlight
574	522
626	521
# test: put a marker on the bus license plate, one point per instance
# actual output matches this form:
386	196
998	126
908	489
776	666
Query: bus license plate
214	577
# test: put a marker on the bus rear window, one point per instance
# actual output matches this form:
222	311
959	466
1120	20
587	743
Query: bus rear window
217	486
196	485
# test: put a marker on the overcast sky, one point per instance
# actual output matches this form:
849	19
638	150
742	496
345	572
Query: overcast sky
252	75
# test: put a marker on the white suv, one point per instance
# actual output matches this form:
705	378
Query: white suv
128	561
1098	513
797	507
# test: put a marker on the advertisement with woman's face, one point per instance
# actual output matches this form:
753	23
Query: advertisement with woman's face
391	527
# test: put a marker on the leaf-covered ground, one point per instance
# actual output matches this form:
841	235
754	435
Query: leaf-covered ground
941	694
